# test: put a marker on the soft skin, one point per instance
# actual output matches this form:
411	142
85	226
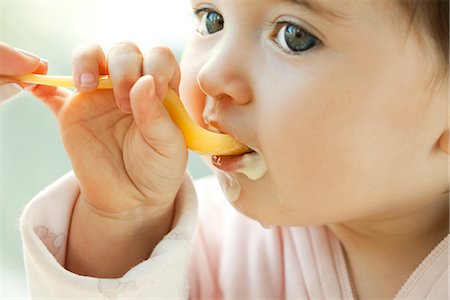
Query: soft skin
128	155
353	120
352	130
16	62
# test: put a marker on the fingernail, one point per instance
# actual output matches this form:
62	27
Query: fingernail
27	53
9	91
87	79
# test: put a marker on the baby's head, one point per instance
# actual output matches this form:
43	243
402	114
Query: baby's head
344	102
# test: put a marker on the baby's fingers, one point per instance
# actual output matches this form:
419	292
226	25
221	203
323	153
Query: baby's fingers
152	119
53	97
125	67
88	61
162	65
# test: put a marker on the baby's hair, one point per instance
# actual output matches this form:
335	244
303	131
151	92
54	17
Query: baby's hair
432	16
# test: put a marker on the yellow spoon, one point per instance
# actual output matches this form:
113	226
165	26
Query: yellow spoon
197	138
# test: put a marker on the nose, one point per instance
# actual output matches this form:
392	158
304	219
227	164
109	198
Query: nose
226	73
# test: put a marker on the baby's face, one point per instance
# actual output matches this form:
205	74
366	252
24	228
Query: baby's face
335	96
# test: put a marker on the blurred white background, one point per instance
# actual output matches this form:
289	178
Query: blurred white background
31	153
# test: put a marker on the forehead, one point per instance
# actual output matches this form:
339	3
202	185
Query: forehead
342	6
330	8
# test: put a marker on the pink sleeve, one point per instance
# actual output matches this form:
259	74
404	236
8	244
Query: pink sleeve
233	256
207	247
44	227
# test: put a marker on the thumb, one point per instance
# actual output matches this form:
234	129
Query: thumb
152	118
16	62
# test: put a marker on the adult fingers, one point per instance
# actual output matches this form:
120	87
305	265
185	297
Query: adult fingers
11	88
16	62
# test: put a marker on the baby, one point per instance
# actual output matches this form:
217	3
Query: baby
344	105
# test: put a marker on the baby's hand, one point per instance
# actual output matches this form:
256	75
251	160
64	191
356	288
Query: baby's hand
128	155
124	161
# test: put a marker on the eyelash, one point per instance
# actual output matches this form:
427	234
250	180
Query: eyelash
199	13
312	40
276	28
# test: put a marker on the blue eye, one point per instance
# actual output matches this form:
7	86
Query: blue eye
293	38
210	21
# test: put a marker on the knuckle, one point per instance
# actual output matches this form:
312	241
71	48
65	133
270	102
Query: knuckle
85	51
161	63
125	55
124	47
80	54
162	52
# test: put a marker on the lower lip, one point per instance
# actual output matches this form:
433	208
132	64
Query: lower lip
227	163
250	164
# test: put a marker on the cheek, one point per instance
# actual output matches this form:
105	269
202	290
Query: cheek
191	94
303	161
312	147
342	142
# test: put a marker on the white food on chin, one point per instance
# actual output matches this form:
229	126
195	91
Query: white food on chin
230	186
254	166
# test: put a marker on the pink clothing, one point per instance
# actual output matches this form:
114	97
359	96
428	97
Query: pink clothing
226	256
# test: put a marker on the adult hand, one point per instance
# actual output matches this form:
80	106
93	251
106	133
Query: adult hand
16	62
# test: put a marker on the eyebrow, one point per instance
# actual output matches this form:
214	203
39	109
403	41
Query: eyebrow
318	8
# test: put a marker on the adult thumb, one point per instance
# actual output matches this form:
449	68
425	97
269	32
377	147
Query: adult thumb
16	62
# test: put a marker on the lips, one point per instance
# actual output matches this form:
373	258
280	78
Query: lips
250	163
214	126
227	163
230	163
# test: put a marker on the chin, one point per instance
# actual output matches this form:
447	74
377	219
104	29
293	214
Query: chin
251	198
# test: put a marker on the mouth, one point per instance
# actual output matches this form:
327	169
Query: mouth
250	164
